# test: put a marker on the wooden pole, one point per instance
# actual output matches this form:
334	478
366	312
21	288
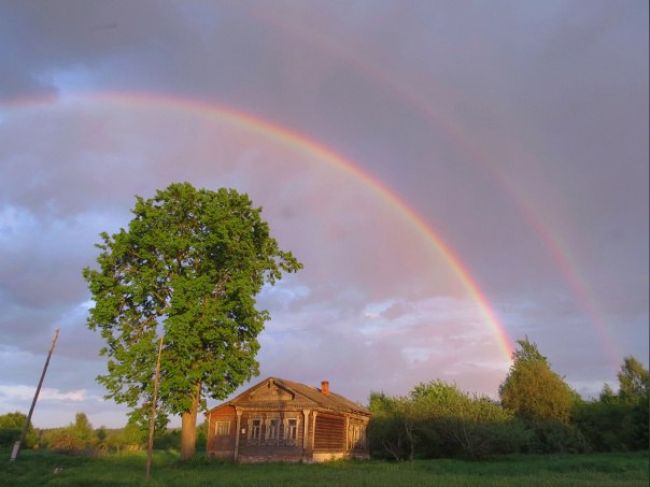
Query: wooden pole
152	418
17	445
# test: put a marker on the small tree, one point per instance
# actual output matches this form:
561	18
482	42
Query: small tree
618	421
532	390
189	265
634	392
633	380
76	438
82	428
11	425
391	431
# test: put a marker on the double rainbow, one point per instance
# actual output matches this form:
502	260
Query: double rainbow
301	143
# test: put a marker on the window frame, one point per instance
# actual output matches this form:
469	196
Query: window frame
273	434
220	422
252	436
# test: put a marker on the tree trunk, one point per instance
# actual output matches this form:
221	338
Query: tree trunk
188	427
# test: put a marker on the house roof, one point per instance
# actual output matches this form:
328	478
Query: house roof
331	401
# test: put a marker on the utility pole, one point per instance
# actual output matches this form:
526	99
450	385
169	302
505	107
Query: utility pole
152	418
17	445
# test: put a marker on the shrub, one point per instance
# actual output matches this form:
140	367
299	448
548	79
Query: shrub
550	436
439	420
64	440
618	421
11	426
78	438
8	436
167	439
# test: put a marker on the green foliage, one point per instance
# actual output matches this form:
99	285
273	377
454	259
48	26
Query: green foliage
8	436
11	426
13	420
169	439
190	262
633	381
618	421
540	414
202	434
390	431
552	436
437	419
134	435
82	429
532	390
101	434
612	469
63	440
78	438
466	426
607	394
601	423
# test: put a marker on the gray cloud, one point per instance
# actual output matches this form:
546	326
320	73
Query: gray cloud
517	130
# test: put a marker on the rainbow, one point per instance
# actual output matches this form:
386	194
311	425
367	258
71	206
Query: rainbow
301	143
394	85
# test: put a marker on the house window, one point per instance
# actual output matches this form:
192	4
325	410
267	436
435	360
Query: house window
292	430
357	436
222	428
273	432
256	429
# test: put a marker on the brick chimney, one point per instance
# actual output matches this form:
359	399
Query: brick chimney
325	387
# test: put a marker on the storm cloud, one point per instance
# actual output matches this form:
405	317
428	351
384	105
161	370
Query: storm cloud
518	132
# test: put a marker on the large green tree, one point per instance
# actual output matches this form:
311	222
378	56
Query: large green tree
532	390
189	266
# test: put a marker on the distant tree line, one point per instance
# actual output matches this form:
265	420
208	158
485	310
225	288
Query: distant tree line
537	413
80	438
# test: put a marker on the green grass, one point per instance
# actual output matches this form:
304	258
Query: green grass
612	469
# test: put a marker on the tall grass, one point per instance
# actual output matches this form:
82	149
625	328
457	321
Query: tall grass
45	468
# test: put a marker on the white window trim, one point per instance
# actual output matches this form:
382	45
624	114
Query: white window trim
251	428
267	424
285	429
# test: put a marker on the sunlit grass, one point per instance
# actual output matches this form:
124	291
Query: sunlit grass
44	468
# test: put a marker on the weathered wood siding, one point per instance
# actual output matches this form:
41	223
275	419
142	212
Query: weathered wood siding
222	445
330	433
264	447
357	435
273	427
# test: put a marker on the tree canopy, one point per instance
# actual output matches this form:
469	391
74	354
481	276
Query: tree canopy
532	390
633	380
189	266
11	425
438	419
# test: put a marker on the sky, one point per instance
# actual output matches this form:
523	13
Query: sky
454	176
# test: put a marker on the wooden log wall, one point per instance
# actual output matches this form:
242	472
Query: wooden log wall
330	433
222	443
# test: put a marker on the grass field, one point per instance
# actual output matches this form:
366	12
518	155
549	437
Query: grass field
38	468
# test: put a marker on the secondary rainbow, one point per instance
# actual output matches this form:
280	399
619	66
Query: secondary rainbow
394	84
300	142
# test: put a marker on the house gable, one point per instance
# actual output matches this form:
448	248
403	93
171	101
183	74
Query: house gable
275	392
267	391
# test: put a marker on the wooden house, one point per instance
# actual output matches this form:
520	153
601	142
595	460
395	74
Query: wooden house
281	420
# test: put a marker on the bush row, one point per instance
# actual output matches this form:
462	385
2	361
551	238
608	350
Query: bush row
80	438
538	413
